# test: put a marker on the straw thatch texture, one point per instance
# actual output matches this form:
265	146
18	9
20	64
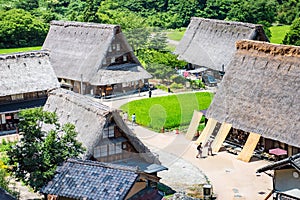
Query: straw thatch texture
78	48
89	117
120	74
260	91
26	72
211	43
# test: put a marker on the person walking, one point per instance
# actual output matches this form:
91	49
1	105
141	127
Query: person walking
210	153
125	117
150	93
199	148
133	119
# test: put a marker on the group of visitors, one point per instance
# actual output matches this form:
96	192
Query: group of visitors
133	118
200	149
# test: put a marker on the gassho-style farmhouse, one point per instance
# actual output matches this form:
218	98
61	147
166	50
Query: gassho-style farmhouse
256	105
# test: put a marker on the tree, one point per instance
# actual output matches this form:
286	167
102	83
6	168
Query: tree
90	12
293	36
288	11
35	158
18	28
27	5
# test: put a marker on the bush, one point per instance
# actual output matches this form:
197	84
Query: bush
178	79
176	86
162	87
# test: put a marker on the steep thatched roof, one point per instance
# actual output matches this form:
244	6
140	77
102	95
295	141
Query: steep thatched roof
80	48
26	72
260	91
89	117
210	42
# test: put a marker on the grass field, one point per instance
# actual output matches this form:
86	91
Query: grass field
278	33
168	111
5	51
176	34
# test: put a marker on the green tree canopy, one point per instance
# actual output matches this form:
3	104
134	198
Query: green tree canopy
36	156
18	28
293	36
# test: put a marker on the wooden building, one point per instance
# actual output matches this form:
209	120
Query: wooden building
91	58
79	179
286	178
259	96
102	131
25	81
211	43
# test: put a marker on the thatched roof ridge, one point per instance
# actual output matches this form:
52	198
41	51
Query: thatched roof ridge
86	25
260	91
267	49
211	42
90	117
26	72
39	53
218	21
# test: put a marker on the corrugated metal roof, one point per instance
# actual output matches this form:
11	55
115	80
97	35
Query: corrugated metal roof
91	180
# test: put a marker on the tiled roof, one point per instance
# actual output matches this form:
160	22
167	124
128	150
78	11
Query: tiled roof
293	161
5	196
91	180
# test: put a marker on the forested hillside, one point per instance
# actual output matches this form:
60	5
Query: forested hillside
25	22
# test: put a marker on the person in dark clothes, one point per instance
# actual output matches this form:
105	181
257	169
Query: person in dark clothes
199	148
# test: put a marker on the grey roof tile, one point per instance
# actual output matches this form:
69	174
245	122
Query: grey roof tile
93	180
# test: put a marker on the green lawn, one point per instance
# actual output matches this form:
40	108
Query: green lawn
176	34
278	33
5	51
168	111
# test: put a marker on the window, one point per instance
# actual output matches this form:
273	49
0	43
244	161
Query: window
118	47
124	146
112	60
97	152
119	148
109	132
126	84
113	46
17	97
105	132
109	49
103	150
111	149
124	58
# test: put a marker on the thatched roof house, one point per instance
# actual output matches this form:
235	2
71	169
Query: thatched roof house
260	92
101	129
96	55
25	81
211	43
26	72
